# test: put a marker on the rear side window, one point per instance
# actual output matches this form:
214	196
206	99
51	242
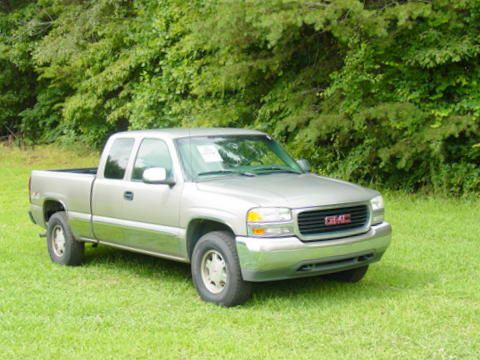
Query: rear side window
118	158
151	154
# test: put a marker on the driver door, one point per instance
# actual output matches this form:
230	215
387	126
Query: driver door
152	214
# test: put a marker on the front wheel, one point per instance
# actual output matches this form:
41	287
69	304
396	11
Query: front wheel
216	270
62	247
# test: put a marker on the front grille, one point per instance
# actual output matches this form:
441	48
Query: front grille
313	222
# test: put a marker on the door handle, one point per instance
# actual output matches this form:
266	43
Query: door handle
128	195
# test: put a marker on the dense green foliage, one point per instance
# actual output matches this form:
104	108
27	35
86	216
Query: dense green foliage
376	91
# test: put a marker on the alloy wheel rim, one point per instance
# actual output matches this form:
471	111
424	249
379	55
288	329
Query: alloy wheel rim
214	271
58	241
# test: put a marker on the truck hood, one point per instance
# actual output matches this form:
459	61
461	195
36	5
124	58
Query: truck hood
288	190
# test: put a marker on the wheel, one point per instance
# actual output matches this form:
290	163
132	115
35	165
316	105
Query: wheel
216	270
62	247
351	276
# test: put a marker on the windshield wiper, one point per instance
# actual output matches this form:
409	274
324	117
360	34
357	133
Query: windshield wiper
219	172
275	169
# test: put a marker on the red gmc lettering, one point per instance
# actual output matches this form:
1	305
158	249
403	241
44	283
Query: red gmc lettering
338	219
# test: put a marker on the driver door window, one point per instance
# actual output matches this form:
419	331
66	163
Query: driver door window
153	153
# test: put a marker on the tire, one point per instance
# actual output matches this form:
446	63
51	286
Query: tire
223	285
350	276
71	252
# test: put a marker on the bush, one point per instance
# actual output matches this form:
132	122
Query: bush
379	92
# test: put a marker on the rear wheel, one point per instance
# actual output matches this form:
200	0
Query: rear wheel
351	276
216	270
62	247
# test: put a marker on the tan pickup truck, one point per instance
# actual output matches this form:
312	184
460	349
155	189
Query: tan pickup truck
230	202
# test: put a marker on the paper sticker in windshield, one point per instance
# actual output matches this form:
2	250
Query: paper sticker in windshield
209	153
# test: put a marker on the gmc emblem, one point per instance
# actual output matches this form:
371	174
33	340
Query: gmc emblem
338	219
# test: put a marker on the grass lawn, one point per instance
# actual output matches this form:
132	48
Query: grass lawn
422	301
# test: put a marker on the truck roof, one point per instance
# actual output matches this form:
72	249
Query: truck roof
175	133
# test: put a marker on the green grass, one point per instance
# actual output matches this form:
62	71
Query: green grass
421	301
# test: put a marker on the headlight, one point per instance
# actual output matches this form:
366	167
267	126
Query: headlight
377	203
270	222
269	215
378	209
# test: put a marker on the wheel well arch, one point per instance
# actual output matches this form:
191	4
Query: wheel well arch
199	227
50	207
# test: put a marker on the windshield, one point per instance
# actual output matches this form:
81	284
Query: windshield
248	155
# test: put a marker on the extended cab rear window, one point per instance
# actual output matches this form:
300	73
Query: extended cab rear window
118	158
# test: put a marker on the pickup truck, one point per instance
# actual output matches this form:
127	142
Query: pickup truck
230	202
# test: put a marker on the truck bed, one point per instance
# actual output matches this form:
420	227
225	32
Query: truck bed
71	187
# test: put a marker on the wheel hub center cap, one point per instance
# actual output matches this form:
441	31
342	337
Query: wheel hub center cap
58	241
215	274
214	271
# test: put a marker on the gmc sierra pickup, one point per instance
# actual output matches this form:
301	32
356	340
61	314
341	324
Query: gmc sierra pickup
230	202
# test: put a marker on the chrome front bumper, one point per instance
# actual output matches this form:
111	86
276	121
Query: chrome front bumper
266	259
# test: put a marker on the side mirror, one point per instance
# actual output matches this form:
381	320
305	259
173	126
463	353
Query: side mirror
156	176
304	165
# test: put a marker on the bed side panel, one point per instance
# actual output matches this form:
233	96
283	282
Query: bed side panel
72	190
